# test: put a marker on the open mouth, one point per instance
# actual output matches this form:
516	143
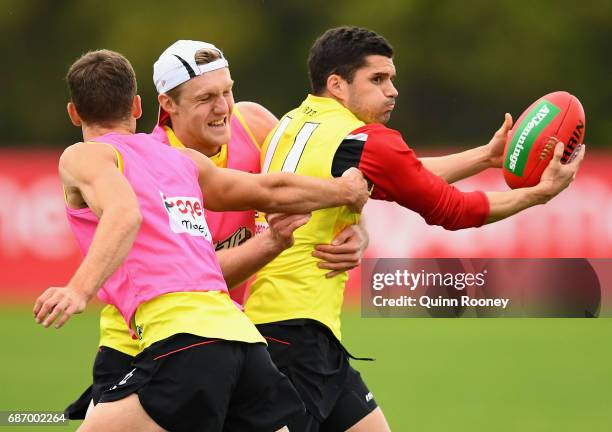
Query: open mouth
218	123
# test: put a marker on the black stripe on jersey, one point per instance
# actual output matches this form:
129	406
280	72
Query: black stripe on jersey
348	155
189	69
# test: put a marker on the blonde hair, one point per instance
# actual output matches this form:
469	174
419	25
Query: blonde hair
202	56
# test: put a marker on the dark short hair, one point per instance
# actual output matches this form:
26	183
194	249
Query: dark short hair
341	51
102	86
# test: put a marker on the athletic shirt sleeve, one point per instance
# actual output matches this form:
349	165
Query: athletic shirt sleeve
396	174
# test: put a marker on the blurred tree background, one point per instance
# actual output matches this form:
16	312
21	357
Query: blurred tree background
461	65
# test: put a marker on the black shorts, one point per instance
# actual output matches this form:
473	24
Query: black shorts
191	383
317	364
109	367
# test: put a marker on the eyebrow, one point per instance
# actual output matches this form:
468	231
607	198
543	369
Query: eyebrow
201	95
383	74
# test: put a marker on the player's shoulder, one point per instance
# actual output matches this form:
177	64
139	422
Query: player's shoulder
84	160
192	154
249	108
252	112
374	132
259	120
78	151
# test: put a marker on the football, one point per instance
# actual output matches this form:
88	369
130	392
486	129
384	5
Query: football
555	117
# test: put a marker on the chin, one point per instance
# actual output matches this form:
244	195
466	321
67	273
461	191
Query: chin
218	137
221	140
384	119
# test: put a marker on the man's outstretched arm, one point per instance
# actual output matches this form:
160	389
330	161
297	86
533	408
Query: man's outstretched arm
397	175
227	189
457	166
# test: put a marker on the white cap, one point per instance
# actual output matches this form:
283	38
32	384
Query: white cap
177	64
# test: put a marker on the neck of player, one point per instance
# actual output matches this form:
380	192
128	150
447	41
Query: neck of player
95	130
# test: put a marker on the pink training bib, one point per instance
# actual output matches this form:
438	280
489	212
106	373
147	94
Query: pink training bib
172	251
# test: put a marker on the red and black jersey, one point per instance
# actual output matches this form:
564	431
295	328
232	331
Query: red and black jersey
396	174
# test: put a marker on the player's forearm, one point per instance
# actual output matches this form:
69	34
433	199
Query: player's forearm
241	262
112	241
289	193
505	204
458	166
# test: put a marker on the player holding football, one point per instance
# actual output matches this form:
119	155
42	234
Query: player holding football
341	125
197	111
136	208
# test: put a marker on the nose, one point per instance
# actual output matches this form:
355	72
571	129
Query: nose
391	91
221	106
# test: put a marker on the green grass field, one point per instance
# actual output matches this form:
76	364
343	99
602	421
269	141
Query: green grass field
430	374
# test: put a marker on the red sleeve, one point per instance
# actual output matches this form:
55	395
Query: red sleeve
398	175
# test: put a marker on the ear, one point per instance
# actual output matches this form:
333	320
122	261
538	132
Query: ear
166	103
73	114
137	107
337	87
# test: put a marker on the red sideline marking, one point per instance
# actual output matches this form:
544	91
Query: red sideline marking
277	340
184	348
